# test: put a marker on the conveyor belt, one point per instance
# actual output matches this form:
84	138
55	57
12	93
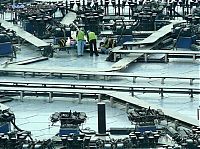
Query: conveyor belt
69	18
79	74
123	63
24	35
158	34
168	53
116	96
147	41
157	51
97	86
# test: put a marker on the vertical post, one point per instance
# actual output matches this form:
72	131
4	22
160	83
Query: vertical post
66	6
194	57
23	74
161	92
50	97
99	97
132	91
191	81
115	57
78	76
198	114
79	98
134	79
33	74
111	102
60	75
105	77
50	74
145	57
127	107
191	94
166	58
119	6
163	81
21	95
101	118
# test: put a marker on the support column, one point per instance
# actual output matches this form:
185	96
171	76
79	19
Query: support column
21	95
78	76
115	57
191	94
161	92
79	98
99	97
127	107
134	79
191	81
194	58
111	102
145	57
132	91
163	81
50	97
23	74
166	58
101	118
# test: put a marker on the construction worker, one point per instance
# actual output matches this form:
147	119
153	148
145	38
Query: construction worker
106	46
92	39
80	42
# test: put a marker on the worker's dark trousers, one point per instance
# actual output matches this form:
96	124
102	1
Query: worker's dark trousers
93	47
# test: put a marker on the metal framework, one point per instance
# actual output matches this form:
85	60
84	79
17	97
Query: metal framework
90	74
100	94
23	86
167	53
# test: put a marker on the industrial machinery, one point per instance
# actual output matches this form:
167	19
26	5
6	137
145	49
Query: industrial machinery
35	18
7	37
168	135
6	117
185	35
145	119
69	121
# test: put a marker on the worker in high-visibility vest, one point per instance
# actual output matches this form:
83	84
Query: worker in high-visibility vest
92	39
80	42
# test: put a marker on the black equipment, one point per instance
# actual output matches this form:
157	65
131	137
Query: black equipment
70	121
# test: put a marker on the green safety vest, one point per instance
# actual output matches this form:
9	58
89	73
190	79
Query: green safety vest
106	44
80	35
92	36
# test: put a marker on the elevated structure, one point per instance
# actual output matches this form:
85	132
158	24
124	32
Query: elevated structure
155	36
24	35
69	18
167	53
113	95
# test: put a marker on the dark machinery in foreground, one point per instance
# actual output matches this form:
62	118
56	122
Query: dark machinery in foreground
145	119
7	37
70	121
6	116
70	137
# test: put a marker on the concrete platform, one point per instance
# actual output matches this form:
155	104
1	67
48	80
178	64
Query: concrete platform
33	113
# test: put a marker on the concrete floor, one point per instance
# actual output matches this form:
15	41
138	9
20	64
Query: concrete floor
33	114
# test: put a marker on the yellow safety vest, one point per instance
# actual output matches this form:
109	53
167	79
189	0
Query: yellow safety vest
92	36
80	35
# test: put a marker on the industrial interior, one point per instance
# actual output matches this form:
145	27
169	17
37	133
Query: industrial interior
140	91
